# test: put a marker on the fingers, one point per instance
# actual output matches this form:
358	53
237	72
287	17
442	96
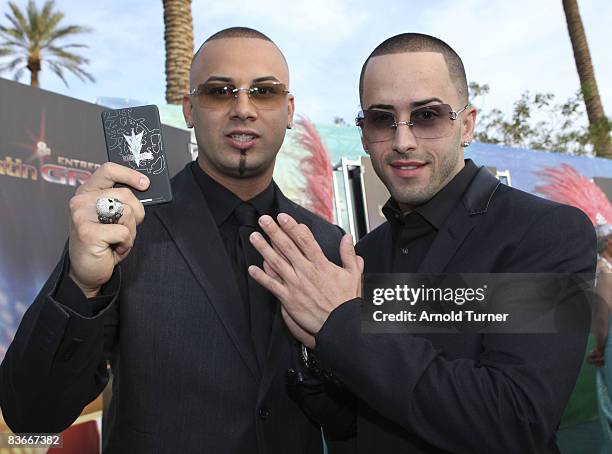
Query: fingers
90	232
274	259
360	264
271	284
128	220
300	235
281	242
87	229
298	332
117	235
109	174
100	236
349	258
270	271
87	201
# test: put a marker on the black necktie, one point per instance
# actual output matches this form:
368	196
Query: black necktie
260	304
246	214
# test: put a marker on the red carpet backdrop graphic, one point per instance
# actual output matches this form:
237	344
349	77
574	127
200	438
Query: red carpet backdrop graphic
49	144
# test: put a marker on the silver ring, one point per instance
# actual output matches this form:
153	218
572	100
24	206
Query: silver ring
109	210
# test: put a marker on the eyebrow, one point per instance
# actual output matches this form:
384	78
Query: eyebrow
265	78
413	104
217	79
230	80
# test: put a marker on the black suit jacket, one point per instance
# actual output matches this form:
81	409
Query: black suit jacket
185	375
464	393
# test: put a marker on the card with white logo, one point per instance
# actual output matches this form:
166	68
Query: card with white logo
133	139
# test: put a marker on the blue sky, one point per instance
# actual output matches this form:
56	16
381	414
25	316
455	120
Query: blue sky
511	45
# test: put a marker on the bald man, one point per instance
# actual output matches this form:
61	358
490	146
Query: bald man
197	348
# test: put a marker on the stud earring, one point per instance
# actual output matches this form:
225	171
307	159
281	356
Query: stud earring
465	144
189	124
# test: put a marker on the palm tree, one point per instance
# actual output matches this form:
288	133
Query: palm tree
178	34
599	124
32	39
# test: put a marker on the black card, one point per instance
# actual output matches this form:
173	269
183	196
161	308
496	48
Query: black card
134	139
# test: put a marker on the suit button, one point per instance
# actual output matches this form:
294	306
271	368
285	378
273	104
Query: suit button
264	413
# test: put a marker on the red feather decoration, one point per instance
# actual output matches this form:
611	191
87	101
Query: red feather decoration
317	169
565	185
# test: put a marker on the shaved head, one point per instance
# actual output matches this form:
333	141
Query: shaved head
417	42
233	32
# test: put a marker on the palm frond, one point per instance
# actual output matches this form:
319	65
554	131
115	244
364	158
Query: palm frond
11	65
17	31
19	73
20	45
82	74
74	46
58	71
49	26
73	68
68	30
47	10
13	33
33	17
34	34
69	56
17	19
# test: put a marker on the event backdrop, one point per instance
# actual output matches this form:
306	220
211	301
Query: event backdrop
48	145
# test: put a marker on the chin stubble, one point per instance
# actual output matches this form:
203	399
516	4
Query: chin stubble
242	164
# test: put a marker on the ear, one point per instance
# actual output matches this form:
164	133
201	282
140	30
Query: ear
187	109
468	124
290	109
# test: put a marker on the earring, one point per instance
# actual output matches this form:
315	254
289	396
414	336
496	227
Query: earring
189	124
290	126
465	144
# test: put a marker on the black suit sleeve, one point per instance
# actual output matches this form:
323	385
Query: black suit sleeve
57	362
508	400
323	399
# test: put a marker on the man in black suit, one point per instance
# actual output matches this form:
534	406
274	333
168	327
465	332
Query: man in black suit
197	349
459	393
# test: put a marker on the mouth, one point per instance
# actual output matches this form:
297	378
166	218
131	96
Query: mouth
242	140
242	137
408	169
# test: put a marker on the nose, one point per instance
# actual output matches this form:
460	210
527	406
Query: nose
403	139
242	107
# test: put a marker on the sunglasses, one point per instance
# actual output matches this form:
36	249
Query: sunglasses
217	95
430	122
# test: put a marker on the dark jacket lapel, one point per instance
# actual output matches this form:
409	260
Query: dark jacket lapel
377	247
192	227
460	223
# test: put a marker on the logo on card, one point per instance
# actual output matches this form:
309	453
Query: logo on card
133	137
134	143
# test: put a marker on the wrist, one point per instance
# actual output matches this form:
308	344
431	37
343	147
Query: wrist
89	292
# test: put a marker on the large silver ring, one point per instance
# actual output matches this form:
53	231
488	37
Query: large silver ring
109	210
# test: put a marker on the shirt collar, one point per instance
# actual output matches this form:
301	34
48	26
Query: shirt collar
438	208
222	202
